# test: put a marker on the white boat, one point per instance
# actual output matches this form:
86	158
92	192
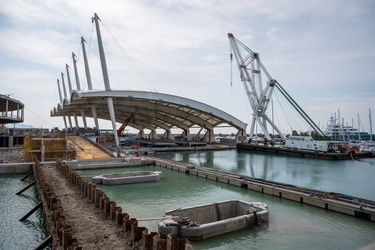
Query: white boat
340	132
127	178
209	220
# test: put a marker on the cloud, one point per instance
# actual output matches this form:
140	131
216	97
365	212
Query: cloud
323	56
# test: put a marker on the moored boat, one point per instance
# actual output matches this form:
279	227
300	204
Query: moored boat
209	220
340	132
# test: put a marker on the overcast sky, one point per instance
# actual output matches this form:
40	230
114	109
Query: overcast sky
321	52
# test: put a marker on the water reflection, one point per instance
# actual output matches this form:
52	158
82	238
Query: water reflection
352	177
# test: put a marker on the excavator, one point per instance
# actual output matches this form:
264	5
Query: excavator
126	122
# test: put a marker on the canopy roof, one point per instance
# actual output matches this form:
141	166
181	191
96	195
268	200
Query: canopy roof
151	110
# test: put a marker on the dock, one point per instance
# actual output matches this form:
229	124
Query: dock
331	201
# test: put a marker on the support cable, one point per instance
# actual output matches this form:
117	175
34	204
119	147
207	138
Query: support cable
132	63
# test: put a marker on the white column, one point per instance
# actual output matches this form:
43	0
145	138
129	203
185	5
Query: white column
113	119
75	119
70	121
83	118
66	127
95	115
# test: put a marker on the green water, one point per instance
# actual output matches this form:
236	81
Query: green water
292	225
14	234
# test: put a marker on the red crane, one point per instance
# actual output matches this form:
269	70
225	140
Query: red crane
127	120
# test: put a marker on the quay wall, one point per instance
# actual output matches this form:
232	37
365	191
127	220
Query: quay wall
63	233
103	163
197	148
328	201
19	167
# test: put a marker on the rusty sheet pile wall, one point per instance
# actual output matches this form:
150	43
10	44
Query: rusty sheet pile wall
62	233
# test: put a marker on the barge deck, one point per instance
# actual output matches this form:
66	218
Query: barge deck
301	153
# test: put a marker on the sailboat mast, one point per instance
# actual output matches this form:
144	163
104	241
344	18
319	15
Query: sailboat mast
359	129
370	124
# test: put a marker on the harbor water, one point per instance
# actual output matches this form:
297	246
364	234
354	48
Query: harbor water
292	225
14	234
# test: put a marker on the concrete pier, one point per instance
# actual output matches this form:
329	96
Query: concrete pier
341	203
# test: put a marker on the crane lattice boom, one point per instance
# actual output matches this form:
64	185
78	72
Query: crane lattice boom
259	94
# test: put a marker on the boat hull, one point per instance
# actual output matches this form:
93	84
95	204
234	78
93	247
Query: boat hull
127	178
214	219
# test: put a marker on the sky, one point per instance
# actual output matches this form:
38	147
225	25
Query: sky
321	52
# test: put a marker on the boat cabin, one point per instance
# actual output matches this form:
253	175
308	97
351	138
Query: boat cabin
307	142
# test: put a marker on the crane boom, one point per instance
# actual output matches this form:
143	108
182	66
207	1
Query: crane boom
259	96
126	122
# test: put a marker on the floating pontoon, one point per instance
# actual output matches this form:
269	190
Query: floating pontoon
127	178
204	221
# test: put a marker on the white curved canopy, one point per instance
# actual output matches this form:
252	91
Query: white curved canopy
151	110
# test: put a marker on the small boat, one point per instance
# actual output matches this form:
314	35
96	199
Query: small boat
209	220
127	178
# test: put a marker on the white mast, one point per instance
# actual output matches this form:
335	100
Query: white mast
63	83
69	82
359	129
87	69
75	71
370	124
58	85
106	78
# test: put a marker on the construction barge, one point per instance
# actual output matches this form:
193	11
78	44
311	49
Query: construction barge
354	206
278	150
209	220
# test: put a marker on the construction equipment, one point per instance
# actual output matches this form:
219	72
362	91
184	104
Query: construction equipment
126	122
259	95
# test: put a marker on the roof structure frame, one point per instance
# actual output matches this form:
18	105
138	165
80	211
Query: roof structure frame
152	110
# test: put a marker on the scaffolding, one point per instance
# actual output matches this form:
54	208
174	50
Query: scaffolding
48	149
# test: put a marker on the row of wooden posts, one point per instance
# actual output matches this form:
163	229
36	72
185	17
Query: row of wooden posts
57	226
139	235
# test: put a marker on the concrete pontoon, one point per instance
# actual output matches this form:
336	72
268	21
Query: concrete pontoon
127	178
208	220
